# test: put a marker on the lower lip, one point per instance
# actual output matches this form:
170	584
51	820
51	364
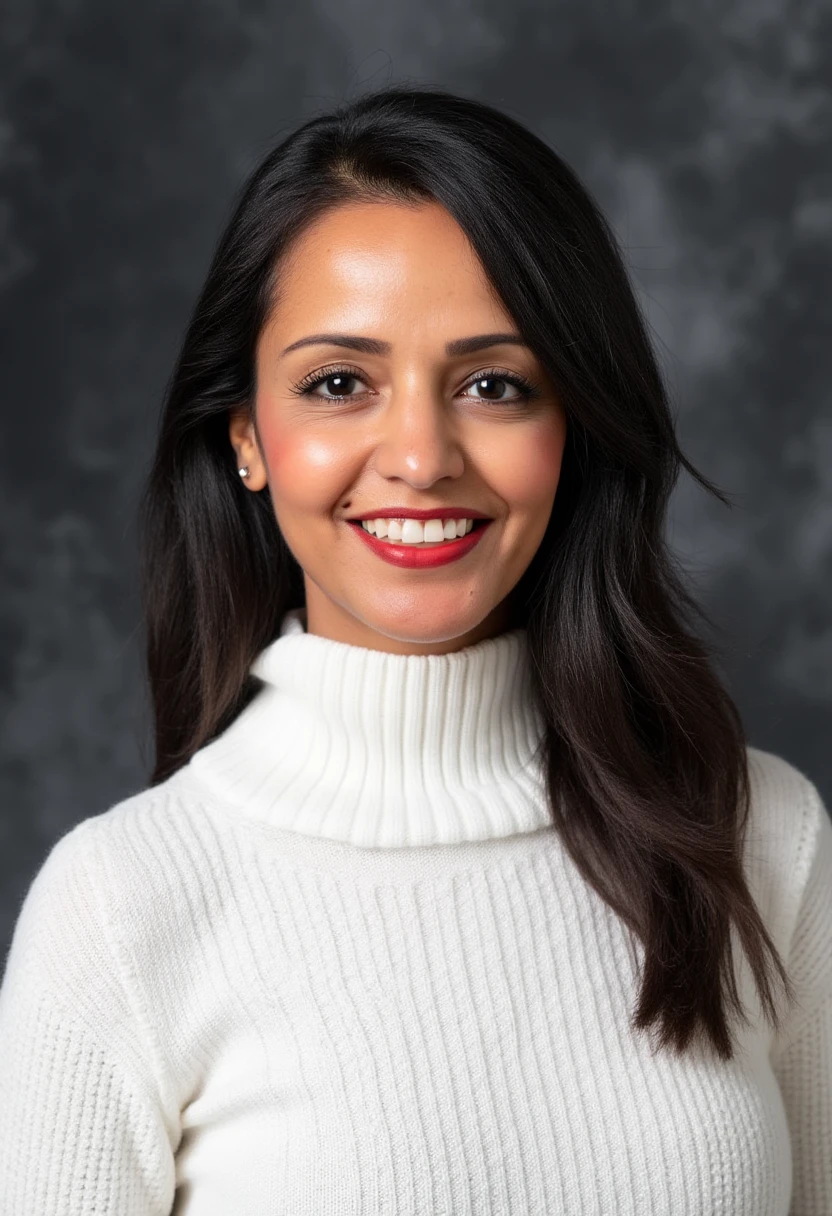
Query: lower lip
413	557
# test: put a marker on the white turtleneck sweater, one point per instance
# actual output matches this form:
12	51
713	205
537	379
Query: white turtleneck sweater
340	963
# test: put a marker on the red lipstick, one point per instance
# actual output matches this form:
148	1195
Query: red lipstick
414	557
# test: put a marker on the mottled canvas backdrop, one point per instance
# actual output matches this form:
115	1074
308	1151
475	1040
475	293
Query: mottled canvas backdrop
125	130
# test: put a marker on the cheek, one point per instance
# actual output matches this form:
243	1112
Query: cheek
304	469
526	470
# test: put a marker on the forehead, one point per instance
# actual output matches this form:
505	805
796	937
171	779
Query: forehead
405	273
392	253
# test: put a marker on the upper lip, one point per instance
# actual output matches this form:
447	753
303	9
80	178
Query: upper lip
428	513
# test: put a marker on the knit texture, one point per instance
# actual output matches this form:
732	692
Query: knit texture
340	963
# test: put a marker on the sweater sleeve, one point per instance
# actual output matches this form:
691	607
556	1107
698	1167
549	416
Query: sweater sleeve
801	1052
82	1122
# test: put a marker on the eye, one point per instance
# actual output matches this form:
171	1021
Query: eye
339	379
495	376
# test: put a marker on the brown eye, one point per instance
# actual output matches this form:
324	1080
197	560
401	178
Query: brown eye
491	386
339	380
490	382
339	383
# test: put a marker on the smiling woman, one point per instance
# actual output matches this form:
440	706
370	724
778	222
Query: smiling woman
450	812
417	424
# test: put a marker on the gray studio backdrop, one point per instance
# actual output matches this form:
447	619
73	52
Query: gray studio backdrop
703	129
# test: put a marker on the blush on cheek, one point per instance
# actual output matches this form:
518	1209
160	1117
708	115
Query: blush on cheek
274	451
531	472
544	466
302	470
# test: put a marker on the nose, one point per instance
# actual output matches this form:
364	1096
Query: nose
417	438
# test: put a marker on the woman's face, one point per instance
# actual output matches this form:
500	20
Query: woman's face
347	430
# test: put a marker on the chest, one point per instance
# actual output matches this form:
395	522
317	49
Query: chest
460	1049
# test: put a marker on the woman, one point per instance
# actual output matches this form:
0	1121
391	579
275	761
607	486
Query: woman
441	898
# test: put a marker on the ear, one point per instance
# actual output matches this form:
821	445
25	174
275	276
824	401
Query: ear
244	443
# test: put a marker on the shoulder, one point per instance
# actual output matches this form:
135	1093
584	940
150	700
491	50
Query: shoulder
789	836
114	842
74	986
778	782
108	883
786	807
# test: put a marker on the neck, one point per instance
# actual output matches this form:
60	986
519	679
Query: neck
381	749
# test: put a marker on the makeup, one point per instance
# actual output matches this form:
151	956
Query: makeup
414	557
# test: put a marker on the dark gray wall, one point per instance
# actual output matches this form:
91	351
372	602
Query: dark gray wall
703	129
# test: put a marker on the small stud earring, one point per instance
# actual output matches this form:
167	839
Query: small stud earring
243	471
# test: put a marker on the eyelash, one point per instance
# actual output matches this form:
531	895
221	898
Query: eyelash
306	386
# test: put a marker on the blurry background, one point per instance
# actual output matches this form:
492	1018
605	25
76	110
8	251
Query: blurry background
125	131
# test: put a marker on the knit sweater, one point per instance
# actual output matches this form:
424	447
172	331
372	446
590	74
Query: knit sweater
341	963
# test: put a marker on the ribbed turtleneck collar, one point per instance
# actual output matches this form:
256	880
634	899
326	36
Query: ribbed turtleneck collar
381	749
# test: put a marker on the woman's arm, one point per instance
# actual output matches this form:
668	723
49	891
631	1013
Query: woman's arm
801	1054
82	1121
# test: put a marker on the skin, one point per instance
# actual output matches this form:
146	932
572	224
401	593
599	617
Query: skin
411	427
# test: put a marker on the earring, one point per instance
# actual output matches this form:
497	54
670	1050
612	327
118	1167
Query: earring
243	471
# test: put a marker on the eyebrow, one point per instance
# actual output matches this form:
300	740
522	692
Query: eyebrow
373	346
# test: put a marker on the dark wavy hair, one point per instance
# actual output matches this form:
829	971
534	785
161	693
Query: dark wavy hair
645	755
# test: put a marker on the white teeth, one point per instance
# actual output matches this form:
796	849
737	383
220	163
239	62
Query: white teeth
417	531
434	529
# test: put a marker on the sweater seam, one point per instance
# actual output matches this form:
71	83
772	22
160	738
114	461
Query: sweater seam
151	1048
133	1081
797	1016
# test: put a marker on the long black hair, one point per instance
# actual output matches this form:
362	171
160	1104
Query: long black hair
645	754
